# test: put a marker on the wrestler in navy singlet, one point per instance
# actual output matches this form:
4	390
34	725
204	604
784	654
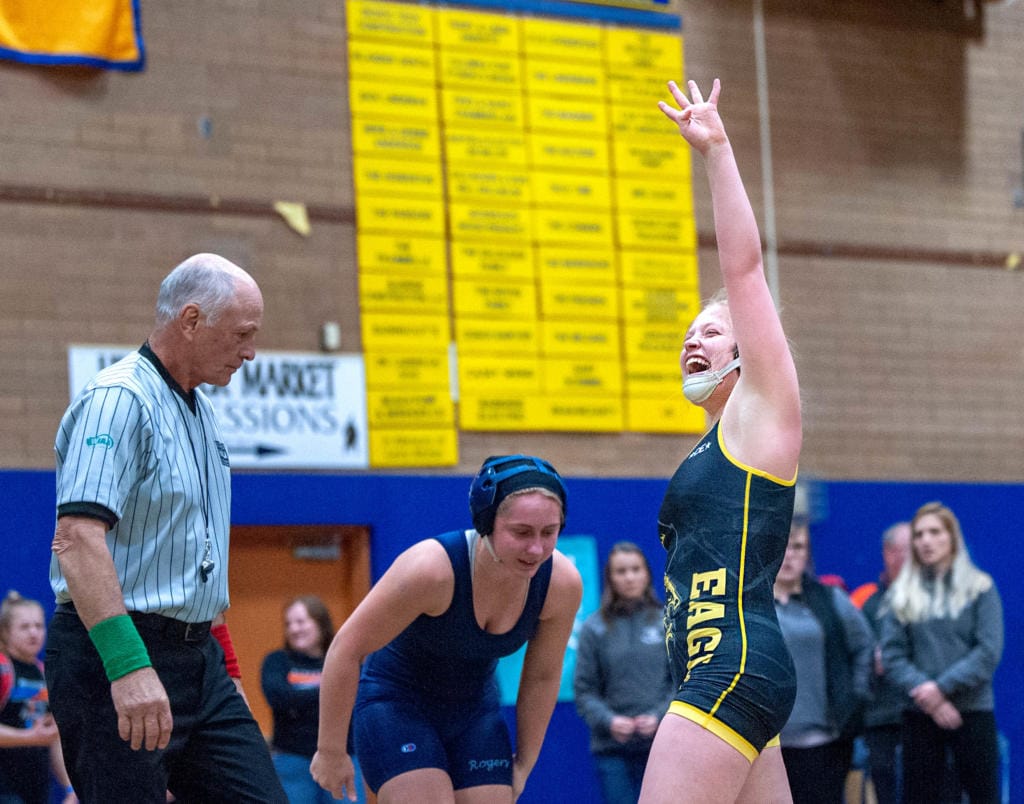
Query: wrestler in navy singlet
725	527
429	698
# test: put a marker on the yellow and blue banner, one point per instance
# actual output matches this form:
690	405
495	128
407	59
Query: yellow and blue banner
643	13
92	33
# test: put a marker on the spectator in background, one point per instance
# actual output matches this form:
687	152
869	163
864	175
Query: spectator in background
883	717
831	644
942	639
895	549
622	683
291	685
29	742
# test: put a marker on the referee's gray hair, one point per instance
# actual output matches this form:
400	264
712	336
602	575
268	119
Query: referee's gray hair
206	280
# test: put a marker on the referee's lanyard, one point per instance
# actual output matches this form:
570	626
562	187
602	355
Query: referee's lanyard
207	566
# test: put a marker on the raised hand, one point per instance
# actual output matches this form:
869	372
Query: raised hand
698	120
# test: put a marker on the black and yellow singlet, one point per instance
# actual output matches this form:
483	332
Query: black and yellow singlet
725	527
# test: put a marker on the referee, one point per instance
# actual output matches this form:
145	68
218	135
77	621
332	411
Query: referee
142	679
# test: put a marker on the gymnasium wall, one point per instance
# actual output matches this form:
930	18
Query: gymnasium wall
895	143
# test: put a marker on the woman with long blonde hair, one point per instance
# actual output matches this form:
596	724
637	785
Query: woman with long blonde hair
942	639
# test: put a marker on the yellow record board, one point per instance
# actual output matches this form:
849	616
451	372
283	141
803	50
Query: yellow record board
518	190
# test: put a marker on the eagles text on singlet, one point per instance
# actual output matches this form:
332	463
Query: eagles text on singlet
701	642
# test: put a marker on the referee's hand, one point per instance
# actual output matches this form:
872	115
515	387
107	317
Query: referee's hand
143	711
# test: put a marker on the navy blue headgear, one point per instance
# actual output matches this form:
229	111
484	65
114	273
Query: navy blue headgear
501	475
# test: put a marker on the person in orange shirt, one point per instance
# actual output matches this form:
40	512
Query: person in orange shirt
895	547
290	678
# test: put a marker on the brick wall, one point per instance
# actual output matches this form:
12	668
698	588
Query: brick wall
896	145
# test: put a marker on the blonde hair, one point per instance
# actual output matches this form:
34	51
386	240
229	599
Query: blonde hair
12	601
911	600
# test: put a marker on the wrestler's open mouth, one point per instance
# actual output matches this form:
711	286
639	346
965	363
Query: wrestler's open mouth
695	365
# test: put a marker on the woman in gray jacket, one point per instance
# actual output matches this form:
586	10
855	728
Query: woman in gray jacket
622	682
942	639
831	646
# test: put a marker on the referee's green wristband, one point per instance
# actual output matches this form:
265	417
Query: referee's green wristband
120	646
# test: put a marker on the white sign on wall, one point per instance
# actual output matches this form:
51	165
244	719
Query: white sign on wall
283	410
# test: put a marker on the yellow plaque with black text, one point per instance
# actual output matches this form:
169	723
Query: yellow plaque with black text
402	370
403	294
478	31
565	41
397	178
398	255
513	375
370	99
487	299
405	215
496	338
416	447
396	138
404	333
390	22
382	62
501	261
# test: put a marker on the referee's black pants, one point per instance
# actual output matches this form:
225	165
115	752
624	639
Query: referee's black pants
216	753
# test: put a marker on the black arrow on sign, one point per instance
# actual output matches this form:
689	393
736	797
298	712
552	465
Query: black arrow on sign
259	450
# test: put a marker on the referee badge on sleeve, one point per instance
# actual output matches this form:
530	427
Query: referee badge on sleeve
223	452
101	440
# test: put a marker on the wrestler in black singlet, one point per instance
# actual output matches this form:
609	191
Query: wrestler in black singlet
725	527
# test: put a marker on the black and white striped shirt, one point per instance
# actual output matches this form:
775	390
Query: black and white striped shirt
135	450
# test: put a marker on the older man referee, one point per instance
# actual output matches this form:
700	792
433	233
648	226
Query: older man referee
139	665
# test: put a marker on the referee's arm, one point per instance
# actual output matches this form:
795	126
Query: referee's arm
143	711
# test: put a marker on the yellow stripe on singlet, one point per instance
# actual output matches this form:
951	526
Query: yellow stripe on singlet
716	727
752	470
739	599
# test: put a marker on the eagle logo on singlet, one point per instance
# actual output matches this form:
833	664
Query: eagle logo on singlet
672	604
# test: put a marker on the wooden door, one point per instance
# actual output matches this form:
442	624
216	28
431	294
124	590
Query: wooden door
272	564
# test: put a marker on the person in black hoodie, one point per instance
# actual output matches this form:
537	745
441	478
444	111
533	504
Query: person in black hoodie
831	644
290	679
